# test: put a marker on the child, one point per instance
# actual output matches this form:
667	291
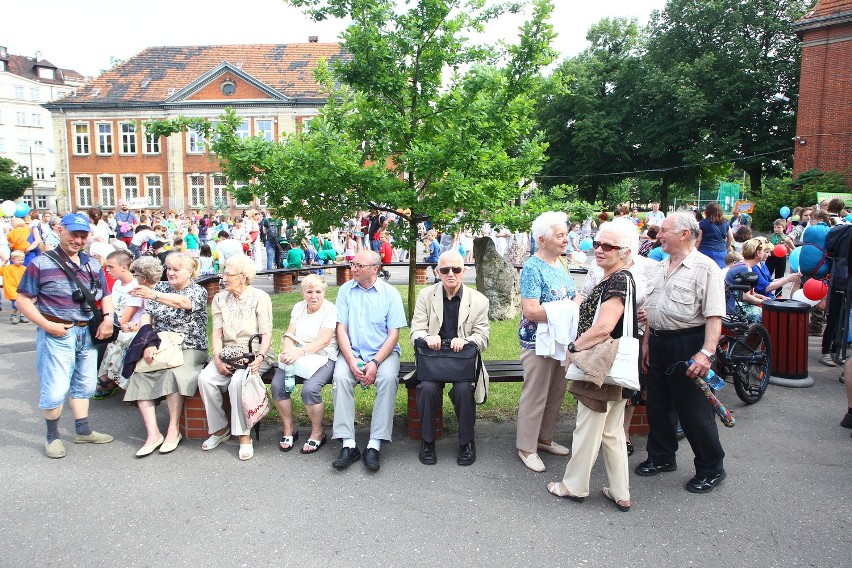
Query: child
778	265
12	274
18	236
191	241
386	252
731	259
205	260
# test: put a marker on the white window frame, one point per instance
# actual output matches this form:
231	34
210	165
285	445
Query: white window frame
107	190
84	191
105	141
82	142
35	118
268	135
40	174
20	119
194	142
128	139
24	146
19	92
28	199
35	93
38	147
154	189
197	190
41	201
152	145
244	130
219	191
130	190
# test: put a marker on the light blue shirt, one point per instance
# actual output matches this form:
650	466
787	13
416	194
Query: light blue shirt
369	314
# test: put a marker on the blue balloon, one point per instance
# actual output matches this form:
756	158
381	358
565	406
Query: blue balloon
785	212
22	209
586	244
794	259
849	218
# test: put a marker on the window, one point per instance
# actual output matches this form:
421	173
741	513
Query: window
196	191
128	138
241	203
107	184
46	73
21	118
28	199
41	200
19	92
35	93
196	142
84	191
131	187
35	119
105	138
23	146
81	139
264	129
152	145
243	130
220	194
154	189
38	147
39	173
61	94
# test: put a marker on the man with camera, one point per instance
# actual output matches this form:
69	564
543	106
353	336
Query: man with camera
450	313
66	359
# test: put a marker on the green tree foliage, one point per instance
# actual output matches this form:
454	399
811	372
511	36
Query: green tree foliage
14	179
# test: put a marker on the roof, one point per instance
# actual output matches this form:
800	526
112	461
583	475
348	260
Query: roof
166	74
827	11
25	67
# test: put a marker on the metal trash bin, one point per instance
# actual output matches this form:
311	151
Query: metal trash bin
787	324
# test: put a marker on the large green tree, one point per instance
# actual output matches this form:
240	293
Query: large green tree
14	179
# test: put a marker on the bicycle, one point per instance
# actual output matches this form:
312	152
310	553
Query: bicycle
744	353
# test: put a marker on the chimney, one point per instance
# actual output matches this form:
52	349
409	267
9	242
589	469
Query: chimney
38	56
313	39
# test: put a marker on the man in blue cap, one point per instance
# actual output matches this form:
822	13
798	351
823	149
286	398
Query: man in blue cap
66	359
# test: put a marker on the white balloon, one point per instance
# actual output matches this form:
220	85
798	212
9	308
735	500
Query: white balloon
578	257
799	296
8	208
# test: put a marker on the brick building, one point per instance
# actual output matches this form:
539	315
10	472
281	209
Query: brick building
107	157
824	121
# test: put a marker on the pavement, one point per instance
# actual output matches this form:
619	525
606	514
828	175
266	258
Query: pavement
786	500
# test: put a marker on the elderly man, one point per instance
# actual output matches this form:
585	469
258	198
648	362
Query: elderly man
369	317
654	216
449	311
66	359
685	305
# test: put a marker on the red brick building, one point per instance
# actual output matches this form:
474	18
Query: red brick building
103	156
824	121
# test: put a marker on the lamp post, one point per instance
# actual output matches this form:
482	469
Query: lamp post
32	170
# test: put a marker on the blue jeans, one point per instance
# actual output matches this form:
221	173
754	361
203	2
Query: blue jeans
270	255
376	246
66	366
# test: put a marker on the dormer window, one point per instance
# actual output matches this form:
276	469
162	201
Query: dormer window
228	87
46	73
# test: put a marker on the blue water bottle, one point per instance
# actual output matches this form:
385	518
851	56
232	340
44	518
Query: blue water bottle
713	380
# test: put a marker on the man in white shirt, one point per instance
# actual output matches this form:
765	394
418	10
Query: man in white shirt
654	216
227	247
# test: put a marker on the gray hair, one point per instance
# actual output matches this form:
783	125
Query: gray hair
375	258
313	280
148	267
626	235
686	220
449	255
244	266
542	226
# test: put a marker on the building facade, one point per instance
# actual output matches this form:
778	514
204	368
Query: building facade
108	157
824	120
26	83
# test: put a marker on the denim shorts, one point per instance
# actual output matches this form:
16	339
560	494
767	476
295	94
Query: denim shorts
66	366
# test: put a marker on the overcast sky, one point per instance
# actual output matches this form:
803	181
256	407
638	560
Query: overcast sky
82	35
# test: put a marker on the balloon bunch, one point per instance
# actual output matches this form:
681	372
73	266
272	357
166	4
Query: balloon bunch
10	208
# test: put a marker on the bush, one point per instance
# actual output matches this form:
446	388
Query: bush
776	194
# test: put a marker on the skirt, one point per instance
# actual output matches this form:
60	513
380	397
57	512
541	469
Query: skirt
183	379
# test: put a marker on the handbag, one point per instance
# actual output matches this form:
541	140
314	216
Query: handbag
446	365
306	365
168	356
97	314
255	399
624	371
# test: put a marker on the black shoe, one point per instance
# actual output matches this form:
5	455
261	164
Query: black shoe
679	434
648	468
847	420
467	454
347	457
705	484
427	453
630	449
371	459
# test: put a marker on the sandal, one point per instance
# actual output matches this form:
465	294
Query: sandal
312	445
213	441
555	488
106	388
619	504
289	440
246	451
630	448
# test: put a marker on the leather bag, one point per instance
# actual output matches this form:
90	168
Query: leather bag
168	356
446	365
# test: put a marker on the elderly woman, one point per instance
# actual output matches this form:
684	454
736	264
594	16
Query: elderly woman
755	252
600	410
545	278
178	305
311	346
239	312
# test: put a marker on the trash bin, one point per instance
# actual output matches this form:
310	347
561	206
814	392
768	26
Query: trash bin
787	324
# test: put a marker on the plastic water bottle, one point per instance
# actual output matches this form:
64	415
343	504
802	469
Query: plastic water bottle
713	380
361	366
289	378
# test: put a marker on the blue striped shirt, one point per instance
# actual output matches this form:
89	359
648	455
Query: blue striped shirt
47	284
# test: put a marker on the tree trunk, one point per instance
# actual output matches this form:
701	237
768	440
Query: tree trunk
664	194
755	174
412	266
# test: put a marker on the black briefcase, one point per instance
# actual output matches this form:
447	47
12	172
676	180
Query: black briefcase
446	365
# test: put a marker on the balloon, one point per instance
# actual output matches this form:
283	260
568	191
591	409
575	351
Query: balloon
799	296
794	259
21	209
780	250
8	208
849	218
815	289
586	244
785	212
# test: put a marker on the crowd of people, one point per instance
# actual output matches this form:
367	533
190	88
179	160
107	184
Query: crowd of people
118	309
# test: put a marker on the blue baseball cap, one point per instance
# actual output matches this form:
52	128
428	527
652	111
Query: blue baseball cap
76	222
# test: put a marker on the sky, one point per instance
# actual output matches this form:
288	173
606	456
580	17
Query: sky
83	35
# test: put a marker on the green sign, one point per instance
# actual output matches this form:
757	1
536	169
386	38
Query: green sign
729	194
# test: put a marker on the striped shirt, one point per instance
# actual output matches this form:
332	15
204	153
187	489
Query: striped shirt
48	284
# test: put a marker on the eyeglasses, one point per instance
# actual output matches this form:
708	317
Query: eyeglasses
605	246
447	269
230	275
359	266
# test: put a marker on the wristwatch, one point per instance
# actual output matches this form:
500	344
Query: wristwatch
376	363
571	348
709	354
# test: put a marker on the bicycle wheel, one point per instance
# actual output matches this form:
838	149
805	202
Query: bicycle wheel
751	358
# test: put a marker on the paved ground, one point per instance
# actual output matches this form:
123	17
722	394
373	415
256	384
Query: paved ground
786	501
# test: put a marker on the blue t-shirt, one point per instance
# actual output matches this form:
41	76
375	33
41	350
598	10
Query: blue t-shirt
545	283
434	251
369	314
658	254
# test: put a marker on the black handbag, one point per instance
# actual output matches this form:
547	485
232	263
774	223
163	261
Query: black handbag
446	365
97	313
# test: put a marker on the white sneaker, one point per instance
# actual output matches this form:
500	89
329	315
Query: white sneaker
826	360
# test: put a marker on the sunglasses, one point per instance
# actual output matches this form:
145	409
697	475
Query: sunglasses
605	246
447	269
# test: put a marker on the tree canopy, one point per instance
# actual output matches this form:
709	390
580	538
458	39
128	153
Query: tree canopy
14	179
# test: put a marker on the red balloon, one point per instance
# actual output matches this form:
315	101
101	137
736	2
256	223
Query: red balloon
780	251
815	289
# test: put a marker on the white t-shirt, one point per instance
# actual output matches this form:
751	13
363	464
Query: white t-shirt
143	236
122	299
226	249
654	218
308	326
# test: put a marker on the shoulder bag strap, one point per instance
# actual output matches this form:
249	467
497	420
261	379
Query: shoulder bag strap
90	299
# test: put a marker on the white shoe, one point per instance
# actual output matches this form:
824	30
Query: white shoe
246	451
532	461
213	441
826	360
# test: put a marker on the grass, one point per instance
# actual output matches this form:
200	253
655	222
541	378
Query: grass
502	403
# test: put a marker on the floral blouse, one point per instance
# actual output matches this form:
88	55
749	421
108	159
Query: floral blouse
192	324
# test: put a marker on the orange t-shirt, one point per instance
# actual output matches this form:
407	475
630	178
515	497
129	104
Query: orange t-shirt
18	238
12	275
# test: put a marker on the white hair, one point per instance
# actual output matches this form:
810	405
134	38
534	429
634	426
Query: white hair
626	235
686	220
543	225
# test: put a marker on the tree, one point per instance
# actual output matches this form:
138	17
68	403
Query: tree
418	118
14	180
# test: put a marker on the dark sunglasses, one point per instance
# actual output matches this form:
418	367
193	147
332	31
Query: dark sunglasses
605	246
455	269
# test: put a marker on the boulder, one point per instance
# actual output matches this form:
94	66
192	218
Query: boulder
497	279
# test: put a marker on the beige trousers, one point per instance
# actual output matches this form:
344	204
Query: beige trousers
595	430
541	398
